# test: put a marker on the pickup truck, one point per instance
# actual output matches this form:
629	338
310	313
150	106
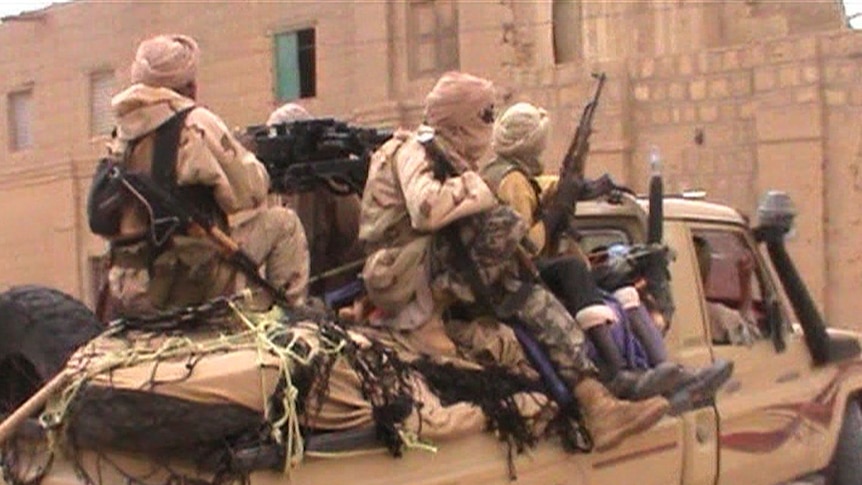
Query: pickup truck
790	409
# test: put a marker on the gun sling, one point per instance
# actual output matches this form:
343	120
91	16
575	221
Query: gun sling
173	208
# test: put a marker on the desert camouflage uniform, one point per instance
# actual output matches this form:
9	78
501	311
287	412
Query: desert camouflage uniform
331	221
190	270
402	206
274	237
399	209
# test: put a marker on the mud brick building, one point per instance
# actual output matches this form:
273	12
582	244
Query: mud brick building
739	96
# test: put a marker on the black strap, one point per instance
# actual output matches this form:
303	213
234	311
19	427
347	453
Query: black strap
166	147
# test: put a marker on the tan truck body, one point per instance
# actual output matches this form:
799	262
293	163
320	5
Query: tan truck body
777	418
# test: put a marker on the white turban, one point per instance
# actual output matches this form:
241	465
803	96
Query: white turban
167	61
287	113
522	134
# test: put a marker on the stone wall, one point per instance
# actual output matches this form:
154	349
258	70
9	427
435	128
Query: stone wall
736	122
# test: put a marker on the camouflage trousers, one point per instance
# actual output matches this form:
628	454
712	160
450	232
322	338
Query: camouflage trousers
192	271
188	272
490	241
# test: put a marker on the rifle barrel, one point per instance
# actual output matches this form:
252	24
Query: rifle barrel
576	154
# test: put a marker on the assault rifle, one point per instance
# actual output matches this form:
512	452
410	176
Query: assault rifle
576	155
302	155
169	216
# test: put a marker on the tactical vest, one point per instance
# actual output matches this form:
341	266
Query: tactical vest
495	171
186	270
166	143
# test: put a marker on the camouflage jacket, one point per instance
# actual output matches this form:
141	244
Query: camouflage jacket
208	155
402	206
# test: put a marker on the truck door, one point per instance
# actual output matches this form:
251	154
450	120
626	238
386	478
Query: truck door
689	344
765	432
655	456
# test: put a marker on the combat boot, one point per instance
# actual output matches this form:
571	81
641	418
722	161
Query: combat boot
662	380
630	384
610	420
699	386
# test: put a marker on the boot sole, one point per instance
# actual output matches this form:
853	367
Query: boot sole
700	393
646	422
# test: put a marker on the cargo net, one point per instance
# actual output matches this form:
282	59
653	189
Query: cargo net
99	417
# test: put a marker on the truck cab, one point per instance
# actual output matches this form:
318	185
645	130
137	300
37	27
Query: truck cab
780	414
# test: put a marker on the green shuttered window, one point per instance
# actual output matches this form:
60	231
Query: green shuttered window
295	65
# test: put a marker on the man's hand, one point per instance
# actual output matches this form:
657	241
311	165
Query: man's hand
561	205
568	191
601	187
745	270
745	266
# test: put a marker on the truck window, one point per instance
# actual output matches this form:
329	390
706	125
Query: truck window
597	239
733	286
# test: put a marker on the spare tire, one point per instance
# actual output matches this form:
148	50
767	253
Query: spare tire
40	328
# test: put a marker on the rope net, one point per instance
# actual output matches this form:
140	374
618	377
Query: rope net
210	394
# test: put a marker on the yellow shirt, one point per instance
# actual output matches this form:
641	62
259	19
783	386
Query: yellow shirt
517	191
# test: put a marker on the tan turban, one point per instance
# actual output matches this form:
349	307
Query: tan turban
287	113
457	99
454	108
521	133
168	61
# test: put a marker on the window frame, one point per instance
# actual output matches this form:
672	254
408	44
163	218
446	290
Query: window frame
605	232
438	37
762	274
576	52
306	65
13	128
110	122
